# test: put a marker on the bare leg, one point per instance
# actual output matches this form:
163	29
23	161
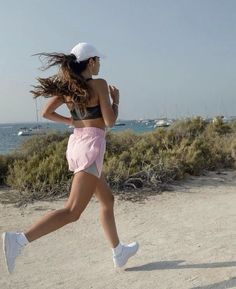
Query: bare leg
106	199
82	189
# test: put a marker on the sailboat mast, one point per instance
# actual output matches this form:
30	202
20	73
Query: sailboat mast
36	110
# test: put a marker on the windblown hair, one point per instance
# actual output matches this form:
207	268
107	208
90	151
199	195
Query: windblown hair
67	83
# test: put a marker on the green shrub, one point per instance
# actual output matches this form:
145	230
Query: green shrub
118	142
5	162
219	127
232	125
43	167
189	128
39	144
132	161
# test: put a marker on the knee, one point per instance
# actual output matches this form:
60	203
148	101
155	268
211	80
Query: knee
73	214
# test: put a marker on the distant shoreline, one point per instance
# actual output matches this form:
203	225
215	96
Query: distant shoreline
129	120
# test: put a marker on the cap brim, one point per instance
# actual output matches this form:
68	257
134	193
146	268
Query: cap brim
101	55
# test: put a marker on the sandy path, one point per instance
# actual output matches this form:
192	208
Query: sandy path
187	238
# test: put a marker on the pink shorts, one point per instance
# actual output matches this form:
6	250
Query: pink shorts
85	150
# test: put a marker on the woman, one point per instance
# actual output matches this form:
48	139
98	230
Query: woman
91	111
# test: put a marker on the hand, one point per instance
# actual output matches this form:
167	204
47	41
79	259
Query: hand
114	92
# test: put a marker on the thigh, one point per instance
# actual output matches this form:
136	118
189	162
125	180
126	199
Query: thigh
103	192
82	188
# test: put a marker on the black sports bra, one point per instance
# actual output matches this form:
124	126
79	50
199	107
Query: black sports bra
91	112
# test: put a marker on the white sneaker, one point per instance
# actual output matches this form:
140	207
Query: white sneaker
127	251
11	249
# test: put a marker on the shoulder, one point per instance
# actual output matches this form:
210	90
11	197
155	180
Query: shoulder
100	82
101	87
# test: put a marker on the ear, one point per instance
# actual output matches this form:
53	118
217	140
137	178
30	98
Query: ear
91	61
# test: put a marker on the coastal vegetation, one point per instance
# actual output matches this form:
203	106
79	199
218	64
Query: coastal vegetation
135	165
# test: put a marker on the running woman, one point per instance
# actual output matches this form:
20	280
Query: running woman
91	109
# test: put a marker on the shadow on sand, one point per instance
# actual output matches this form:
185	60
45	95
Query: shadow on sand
175	265
231	283
167	265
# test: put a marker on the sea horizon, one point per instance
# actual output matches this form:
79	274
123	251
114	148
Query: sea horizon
10	140
133	119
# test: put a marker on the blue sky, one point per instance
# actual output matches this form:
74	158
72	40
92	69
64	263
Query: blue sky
171	58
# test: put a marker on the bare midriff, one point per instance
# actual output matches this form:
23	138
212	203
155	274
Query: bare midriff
97	122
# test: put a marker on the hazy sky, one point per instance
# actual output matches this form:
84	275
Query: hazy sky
168	57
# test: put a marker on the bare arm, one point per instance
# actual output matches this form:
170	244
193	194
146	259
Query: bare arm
109	111
49	111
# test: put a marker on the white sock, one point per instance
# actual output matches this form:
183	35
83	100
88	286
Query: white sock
117	250
21	239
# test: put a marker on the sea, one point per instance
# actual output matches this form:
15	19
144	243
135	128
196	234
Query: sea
10	141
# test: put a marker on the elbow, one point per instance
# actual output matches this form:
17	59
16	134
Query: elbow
45	114
110	123
110	119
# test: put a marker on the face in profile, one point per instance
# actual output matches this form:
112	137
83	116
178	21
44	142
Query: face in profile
94	65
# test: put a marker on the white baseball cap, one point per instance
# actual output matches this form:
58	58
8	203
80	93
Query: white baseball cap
84	51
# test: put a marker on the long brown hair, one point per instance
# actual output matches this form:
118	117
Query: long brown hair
67	83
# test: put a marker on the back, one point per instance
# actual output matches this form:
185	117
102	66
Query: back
99	112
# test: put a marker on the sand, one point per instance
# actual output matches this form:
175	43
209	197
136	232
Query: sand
187	240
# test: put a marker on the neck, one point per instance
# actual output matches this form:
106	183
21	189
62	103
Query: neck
86	74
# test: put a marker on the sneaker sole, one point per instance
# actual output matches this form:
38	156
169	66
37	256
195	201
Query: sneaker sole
4	237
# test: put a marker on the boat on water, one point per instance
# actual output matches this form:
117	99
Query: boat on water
24	131
36	130
119	124
162	123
